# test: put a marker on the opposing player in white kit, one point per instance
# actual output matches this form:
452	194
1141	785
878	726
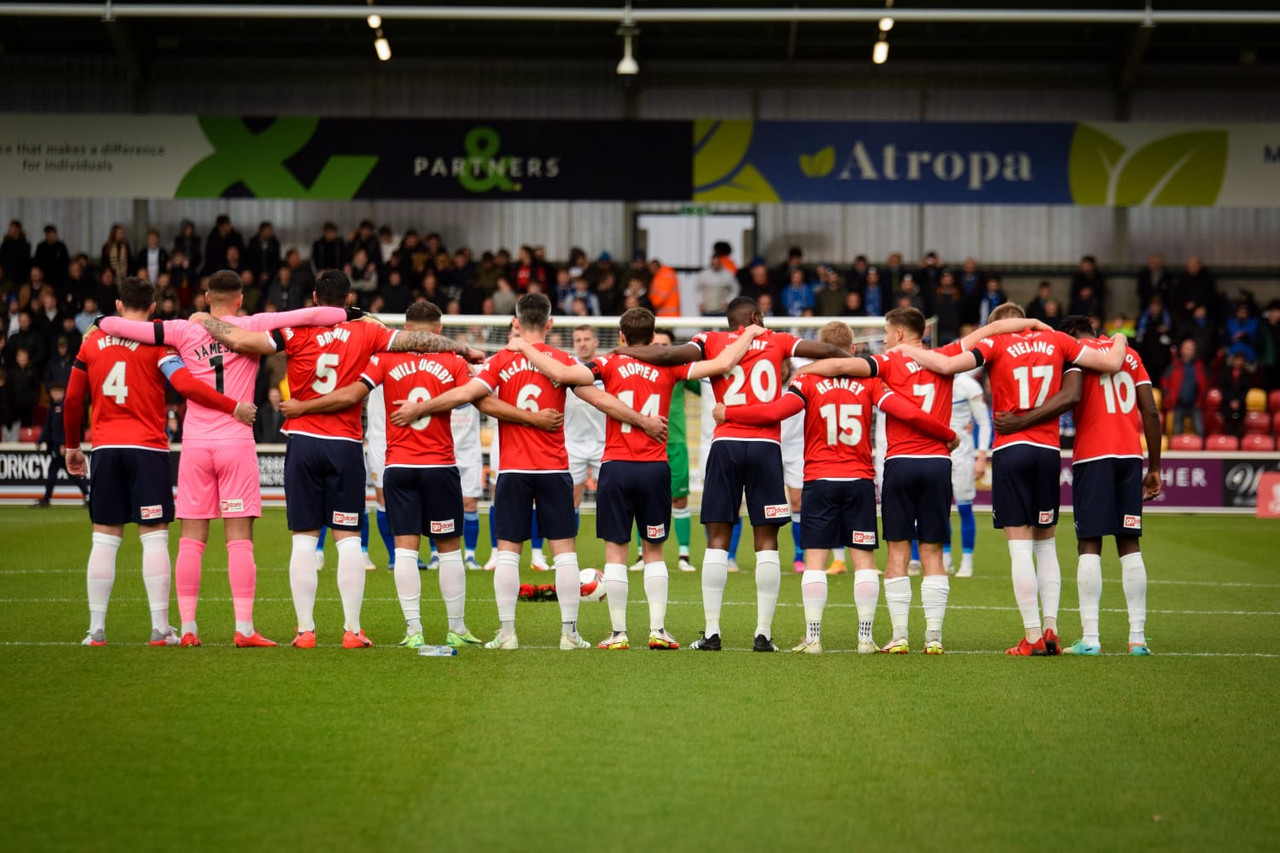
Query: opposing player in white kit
968	463
583	423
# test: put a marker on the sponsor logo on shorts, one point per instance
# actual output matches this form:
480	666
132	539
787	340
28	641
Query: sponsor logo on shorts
346	519
150	513
864	537
777	511
440	527
1046	517
1133	522
236	505
656	530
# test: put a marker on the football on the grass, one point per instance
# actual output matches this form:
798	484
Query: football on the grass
592	585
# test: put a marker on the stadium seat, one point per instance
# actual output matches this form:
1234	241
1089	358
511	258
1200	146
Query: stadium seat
1255	400
1186	441
1258	423
1258	444
1212	421
28	435
1212	399
1275	424
1226	443
1274	401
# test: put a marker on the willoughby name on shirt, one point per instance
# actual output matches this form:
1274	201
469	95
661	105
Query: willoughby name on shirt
521	365
425	365
840	383
110	341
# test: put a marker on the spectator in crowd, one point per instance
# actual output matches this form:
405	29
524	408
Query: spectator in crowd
200	303
53	438
235	262
282	293
1088	289
414	259
87	315
911	296
640	269
182	278
329	252
396	294
1269	345
755	281
300	277
664	289
971	280
610	295
577	263
173	426
387	246
167	306
526	269
1121	324
188	243
487	273
853	305
504	298
1053	313
9	420
1155	337
1203	331
471	299
52	257
716	287
461	271
797	296
929	275
766	306
25	338
262	255
364	274
116	254
24	382
947	308
1234	383
270	420
71	333
152	257
1195	288
1242	333
1035	309
221	238
579	289
434	244
1154	280
364	238
873	296
47	318
892	271
1185	387
15	254
636	295
991	297
858	274
829	300
782	275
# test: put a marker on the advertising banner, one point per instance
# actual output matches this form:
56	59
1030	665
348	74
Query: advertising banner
1058	163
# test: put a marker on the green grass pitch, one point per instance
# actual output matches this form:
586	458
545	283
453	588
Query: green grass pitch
134	748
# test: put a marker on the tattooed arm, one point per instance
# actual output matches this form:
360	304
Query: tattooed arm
233	337
405	341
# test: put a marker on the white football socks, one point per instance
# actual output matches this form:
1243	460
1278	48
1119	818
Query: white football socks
655	589
1089	584
409	588
1049	578
934	590
615	588
1025	589
156	577
715	574
453	589
813	591
897	594
866	595
303	579
351	580
570	581
768	582
100	577
1134	577
506	590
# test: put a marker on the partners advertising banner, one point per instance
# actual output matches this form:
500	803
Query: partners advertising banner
1058	163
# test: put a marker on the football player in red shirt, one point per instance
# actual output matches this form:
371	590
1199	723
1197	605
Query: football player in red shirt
422	486
1024	369
324	473
635	477
534	469
742	458
1113	413
131	480
839	490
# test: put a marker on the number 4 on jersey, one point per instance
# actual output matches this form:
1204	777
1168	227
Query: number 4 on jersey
114	385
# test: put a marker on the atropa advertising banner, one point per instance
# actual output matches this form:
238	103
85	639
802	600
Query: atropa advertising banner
1059	163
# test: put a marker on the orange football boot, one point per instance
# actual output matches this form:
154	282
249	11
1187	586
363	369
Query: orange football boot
304	640
253	641
1025	649
353	640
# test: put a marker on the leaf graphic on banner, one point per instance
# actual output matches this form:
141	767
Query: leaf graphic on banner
1092	159
1183	169
719	148
257	161
818	165
747	185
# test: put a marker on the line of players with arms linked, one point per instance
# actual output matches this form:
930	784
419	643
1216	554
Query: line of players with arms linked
336	358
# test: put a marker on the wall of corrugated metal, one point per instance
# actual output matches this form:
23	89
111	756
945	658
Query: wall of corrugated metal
530	89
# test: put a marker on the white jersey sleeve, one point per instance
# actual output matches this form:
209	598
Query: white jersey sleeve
583	427
376	419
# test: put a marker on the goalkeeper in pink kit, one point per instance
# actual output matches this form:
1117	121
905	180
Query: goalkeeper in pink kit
218	468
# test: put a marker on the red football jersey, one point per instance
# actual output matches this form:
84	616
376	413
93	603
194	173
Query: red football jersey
837	425
641	387
526	448
1108	423
754	380
128	391
929	391
323	359
428	441
1025	369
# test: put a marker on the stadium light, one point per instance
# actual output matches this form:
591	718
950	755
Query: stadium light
880	53
375	21
886	24
382	47
627	65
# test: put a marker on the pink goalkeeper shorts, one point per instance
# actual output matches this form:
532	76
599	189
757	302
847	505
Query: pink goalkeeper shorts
218	479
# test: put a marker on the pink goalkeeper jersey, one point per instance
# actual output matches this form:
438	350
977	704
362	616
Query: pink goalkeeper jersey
231	373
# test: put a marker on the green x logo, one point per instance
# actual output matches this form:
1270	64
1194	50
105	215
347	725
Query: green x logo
257	161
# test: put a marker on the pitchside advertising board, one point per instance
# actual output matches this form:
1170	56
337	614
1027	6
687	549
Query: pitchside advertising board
1059	163
1192	481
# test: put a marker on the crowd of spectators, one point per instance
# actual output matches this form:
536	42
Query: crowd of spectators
1187	331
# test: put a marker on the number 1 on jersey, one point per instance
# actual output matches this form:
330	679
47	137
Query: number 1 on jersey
1024	375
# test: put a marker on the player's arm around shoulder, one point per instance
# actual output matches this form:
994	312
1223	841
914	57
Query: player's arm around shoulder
1066	397
1104	361
429	342
233	337
729	357
552	368
654	427
846	365
335	401
549	420
409	411
663	356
